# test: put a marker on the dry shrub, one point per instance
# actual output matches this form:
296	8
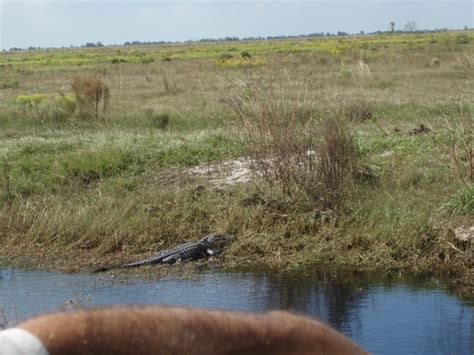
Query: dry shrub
291	147
277	129
91	92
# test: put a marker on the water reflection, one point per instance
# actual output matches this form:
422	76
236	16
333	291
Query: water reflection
384	317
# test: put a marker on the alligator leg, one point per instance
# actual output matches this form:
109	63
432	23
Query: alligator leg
171	259
212	252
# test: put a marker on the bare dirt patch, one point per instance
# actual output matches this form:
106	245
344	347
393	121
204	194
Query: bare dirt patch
228	172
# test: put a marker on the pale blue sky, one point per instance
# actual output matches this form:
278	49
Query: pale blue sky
54	23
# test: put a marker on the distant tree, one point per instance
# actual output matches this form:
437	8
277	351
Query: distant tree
410	26
392	27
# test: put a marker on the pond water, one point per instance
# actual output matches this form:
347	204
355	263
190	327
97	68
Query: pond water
384	317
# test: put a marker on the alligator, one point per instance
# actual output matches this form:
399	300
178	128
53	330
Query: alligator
211	244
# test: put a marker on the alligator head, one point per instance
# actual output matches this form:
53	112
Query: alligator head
215	240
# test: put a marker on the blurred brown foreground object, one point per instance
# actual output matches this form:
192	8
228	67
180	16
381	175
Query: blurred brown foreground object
176	330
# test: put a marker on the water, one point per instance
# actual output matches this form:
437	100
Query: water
384	318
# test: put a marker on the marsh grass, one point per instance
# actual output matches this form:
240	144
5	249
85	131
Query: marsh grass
119	188
170	87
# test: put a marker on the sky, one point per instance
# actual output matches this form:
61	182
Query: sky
58	23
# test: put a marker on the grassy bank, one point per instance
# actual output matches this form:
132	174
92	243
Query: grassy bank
80	189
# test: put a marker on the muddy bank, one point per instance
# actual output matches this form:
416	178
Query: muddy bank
458	277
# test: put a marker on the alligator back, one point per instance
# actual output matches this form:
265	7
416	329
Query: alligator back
183	251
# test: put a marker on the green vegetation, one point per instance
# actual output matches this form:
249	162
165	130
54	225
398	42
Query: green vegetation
360	151
10	84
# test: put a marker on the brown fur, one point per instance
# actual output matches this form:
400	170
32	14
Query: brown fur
175	330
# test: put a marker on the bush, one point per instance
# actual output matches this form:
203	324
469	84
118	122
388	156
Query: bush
116	60
48	109
68	103
292	148
225	56
346	73
245	54
30	101
91	92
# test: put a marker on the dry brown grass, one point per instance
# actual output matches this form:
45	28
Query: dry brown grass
338	161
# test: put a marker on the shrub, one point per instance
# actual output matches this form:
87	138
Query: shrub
48	109
346	73
462	39
30	104
118	60
290	147
278	132
225	56
30	101
91	92
68	103
245	54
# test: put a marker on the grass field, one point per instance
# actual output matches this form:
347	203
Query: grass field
360	150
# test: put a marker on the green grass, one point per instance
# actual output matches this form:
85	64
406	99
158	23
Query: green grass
39	166
462	201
